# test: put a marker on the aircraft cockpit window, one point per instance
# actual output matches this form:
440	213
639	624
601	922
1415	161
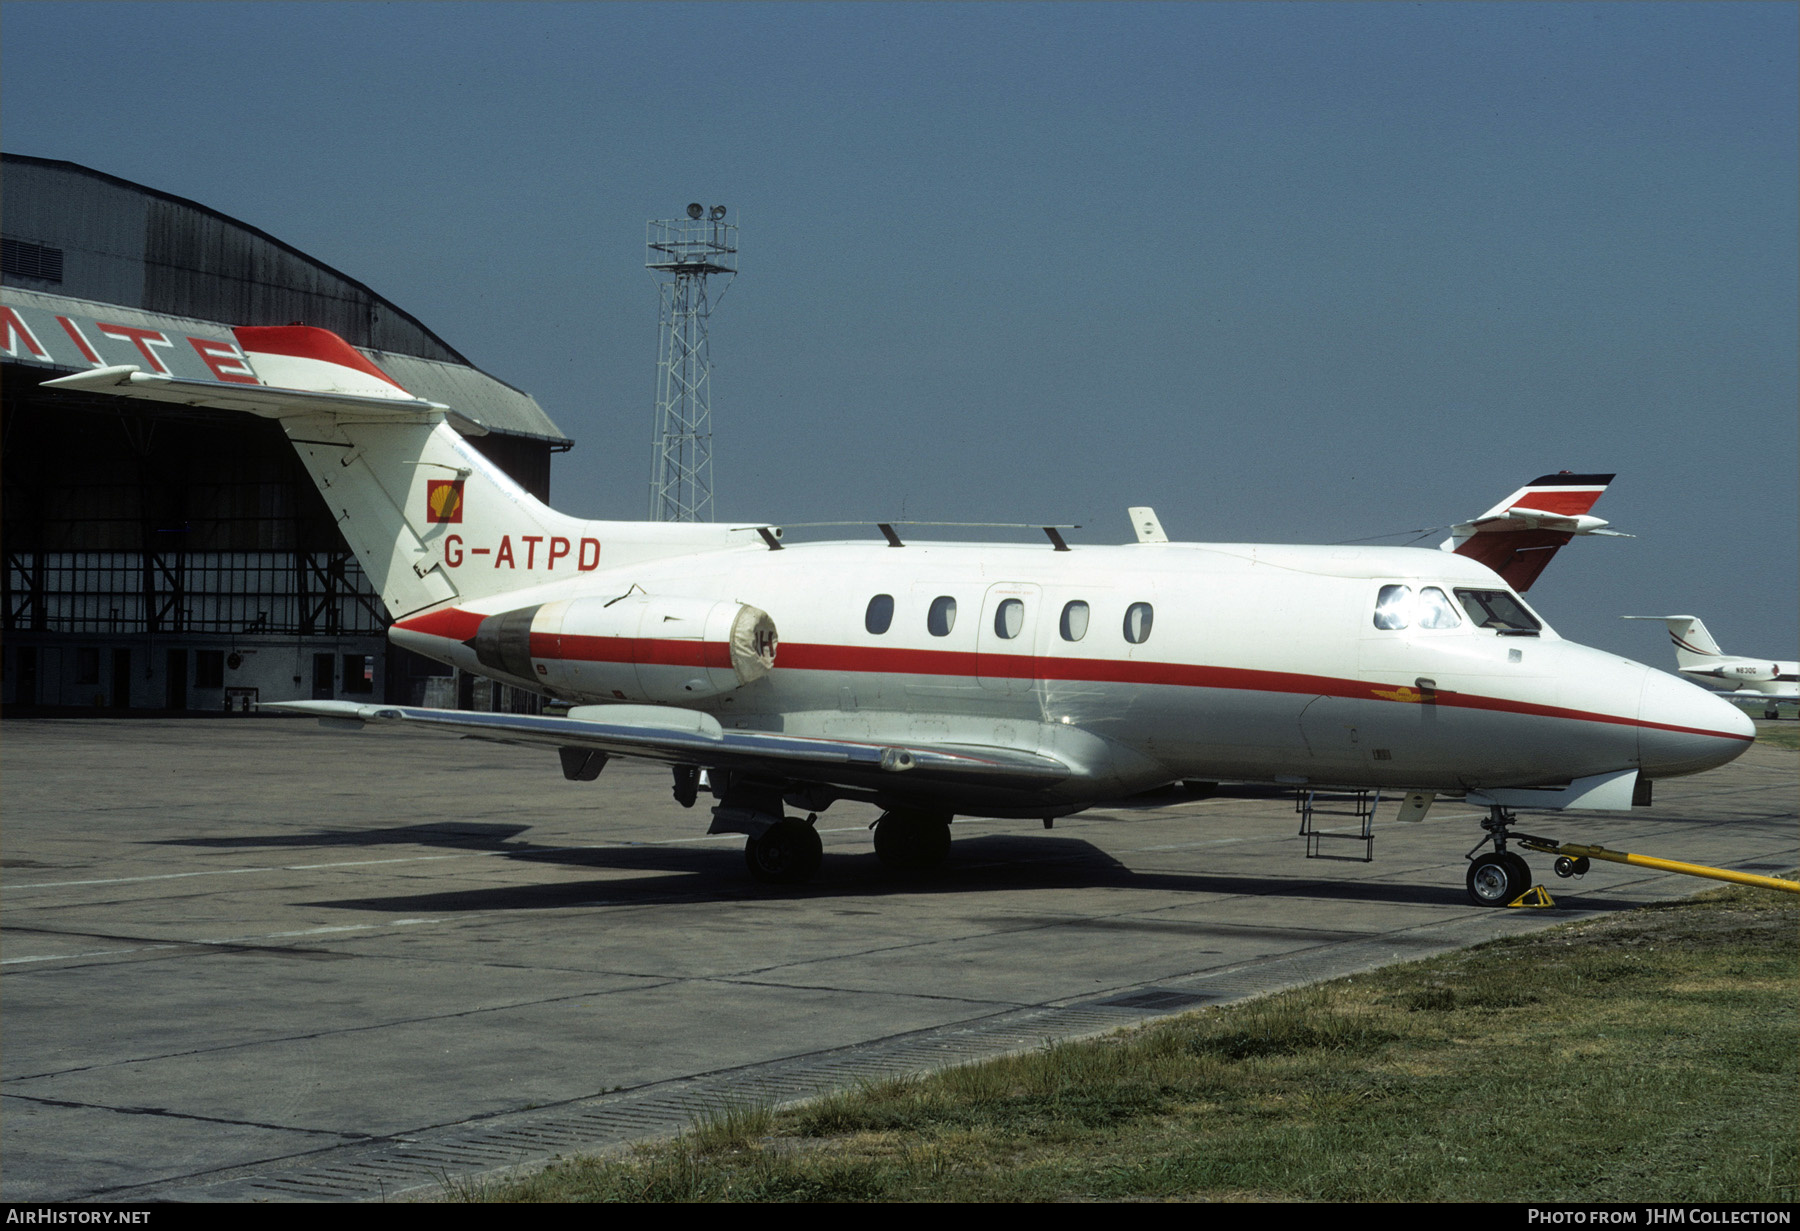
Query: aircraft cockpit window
1500	611
1074	620
942	616
1138	618
1009	618
880	614
1394	607
1435	610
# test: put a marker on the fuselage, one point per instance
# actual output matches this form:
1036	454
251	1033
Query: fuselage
1139	665
1775	680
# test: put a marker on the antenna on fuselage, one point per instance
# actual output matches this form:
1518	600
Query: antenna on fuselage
1144	521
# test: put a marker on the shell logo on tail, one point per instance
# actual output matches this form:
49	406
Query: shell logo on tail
443	500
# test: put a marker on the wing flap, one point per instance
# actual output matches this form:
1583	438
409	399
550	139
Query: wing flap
688	737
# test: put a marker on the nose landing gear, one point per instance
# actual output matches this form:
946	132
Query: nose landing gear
1497	878
1500	877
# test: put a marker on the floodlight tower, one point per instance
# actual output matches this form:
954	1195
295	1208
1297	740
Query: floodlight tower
682	252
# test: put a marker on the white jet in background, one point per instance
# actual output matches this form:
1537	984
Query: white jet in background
1699	657
942	679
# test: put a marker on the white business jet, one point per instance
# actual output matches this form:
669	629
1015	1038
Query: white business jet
944	679
1698	656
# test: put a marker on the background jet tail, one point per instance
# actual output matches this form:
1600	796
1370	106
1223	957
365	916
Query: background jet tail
429	517
1694	646
1517	537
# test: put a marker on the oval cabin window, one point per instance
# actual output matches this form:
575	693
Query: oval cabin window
1074	621
1009	618
1138	618
880	614
942	616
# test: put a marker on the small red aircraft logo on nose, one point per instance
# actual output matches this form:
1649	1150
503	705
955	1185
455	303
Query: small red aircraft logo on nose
443	500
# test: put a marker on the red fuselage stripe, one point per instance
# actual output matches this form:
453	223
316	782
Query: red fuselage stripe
882	660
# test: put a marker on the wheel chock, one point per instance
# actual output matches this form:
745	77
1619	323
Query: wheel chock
1533	898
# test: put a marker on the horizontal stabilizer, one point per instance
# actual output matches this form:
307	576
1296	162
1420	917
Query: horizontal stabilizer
127	380
1517	537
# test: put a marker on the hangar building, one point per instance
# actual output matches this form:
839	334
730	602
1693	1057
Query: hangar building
159	557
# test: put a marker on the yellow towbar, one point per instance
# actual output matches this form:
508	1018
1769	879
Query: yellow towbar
1574	851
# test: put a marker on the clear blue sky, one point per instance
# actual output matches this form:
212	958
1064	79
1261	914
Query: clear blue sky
1288	272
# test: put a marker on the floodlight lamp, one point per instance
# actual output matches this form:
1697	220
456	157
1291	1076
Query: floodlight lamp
718	212
695	210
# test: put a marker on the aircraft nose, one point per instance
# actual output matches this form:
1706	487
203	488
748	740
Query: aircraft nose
1686	729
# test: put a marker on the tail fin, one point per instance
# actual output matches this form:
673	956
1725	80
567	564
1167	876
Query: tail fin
1694	646
429	517
1517	537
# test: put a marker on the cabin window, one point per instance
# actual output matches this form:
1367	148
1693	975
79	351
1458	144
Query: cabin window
1009	618
1137	623
1074	620
1393	607
880	614
942	616
1500	611
1435	610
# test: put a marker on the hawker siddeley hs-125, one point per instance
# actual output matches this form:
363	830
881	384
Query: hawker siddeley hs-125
937	680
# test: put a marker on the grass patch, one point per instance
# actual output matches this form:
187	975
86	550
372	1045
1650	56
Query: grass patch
1778	734
1648	1056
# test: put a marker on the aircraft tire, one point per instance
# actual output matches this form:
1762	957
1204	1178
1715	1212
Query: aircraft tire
786	853
1522	868
1495	880
911	841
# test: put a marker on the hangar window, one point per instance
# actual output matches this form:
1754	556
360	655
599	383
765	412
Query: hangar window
359	673
1137	623
1009	618
209	669
880	614
1074	621
29	260
942	616
1500	611
1393	607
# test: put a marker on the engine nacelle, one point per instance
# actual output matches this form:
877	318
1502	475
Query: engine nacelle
637	648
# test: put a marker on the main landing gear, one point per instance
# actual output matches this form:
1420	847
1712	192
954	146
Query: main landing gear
786	853
784	850
912	841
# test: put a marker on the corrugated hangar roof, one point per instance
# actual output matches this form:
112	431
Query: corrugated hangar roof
83	243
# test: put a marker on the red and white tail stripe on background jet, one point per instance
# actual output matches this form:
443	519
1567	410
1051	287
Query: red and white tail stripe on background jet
1699	657
1517	537
936	679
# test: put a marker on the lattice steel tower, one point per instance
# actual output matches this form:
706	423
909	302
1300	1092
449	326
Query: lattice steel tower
682	253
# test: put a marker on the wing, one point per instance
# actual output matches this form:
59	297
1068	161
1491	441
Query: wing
689	737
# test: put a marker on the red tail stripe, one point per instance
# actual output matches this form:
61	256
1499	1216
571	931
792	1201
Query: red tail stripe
307	342
1566	500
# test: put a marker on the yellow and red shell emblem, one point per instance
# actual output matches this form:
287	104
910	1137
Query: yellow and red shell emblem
443	500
